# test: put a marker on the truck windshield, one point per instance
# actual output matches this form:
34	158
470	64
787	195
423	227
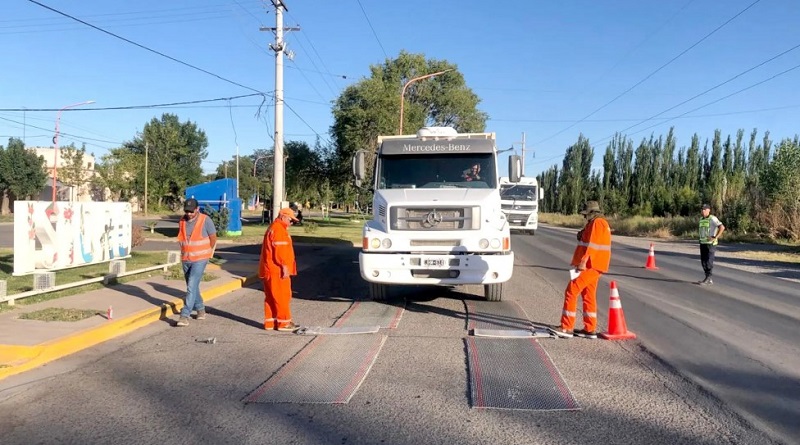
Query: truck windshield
473	170
518	191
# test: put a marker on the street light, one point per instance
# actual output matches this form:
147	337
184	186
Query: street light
255	163
402	95
55	145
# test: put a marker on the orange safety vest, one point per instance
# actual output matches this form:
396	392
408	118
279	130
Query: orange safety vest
594	246
276	251
195	248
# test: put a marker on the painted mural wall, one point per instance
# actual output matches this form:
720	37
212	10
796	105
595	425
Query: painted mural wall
50	237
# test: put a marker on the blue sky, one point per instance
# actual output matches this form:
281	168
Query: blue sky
550	69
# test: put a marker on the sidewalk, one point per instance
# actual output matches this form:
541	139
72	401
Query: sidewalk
27	344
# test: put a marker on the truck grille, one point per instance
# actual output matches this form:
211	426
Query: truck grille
522	207
438	218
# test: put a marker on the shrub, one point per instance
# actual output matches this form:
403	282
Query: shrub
220	218
137	236
310	227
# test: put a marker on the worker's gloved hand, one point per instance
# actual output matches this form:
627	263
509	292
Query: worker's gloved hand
580	234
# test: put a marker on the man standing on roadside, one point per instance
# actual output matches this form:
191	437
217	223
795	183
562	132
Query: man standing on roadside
275	267
198	238
710	230
591	259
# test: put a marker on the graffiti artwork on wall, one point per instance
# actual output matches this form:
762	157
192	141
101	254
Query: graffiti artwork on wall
52	236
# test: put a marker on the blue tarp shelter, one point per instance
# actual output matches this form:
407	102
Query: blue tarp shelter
217	195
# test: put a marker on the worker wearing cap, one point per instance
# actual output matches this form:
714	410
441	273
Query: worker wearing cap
197	237
591	258
276	266
710	230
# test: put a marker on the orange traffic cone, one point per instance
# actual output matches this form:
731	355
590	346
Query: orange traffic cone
617	329
651	259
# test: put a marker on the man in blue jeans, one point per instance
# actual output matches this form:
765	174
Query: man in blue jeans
197	237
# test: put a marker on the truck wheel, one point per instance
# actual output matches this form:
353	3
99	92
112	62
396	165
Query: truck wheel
493	292
378	291
531	232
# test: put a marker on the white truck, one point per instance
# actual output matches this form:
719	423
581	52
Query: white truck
520	203
436	215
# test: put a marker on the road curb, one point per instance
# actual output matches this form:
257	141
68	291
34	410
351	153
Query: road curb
19	359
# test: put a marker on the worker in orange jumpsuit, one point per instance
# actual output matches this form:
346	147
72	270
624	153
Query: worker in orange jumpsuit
275	267
591	258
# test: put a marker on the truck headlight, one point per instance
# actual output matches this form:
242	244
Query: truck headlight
386	243
495	243
375	243
483	243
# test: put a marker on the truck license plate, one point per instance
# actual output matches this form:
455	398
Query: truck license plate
434	262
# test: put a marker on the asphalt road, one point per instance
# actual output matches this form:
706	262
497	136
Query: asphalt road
736	339
711	366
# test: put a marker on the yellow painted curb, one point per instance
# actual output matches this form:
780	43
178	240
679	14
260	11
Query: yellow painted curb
18	359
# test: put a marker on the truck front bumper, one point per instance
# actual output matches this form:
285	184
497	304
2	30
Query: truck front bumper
403	268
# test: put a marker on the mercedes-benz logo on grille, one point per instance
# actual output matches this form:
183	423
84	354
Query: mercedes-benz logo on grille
432	219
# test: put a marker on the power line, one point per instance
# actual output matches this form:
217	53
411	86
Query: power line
139	107
652	73
722	98
60	132
682	115
144	47
650	34
709	90
372	28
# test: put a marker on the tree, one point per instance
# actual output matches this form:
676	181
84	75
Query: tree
22	173
371	107
72	173
117	171
781	182
175	151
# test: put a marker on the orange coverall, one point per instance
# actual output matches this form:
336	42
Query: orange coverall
594	254
276	252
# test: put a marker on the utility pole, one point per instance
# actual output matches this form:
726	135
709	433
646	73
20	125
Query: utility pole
522	159
523	154
146	155
278	160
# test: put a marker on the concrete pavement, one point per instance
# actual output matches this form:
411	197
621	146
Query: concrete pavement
27	344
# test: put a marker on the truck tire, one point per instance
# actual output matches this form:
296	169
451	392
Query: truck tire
493	292
531	232
378	291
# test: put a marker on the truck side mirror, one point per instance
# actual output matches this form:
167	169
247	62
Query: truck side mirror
514	168
359	167
541	193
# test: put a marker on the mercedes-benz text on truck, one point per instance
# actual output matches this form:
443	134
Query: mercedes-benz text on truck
436	216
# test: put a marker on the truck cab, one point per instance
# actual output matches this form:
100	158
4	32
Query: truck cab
520	203
436	215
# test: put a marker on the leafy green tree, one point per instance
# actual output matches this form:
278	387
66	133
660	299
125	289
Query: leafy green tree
371	107
22	172
574	182
117	171
175	151
781	182
72	172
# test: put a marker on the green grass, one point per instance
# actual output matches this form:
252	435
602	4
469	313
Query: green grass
15	285
60	314
335	230
679	227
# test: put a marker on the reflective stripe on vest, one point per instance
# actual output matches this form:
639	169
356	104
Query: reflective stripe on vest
705	229
594	245
195	248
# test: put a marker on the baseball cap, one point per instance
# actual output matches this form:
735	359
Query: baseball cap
286	211
706	206
190	205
